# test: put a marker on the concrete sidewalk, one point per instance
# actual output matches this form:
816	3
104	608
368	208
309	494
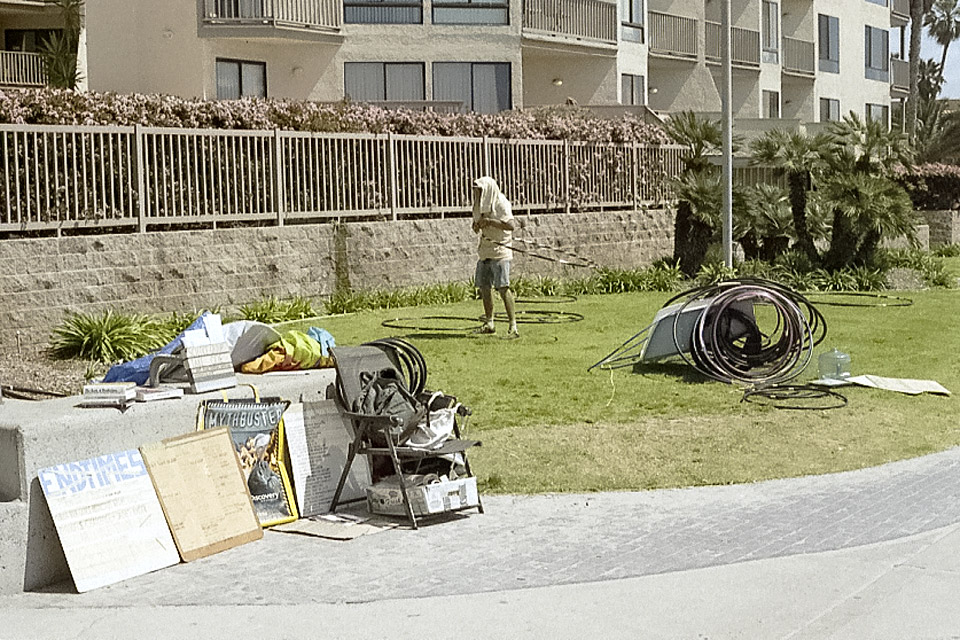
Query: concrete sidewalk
873	553
893	590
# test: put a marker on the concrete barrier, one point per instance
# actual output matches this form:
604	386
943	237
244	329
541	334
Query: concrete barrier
36	435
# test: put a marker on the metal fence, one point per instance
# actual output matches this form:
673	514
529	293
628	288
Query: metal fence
64	177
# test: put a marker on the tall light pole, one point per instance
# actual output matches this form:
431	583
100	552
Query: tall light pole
726	106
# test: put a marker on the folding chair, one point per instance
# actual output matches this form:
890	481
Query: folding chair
377	435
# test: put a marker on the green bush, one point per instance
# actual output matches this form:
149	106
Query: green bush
107	337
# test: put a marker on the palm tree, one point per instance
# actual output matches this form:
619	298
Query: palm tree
866	208
799	156
918	8
764	227
867	146
59	52
943	24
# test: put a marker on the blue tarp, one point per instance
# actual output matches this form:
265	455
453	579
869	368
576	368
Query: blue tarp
139	370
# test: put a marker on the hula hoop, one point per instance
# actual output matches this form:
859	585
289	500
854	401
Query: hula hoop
546	300
791	396
896	301
422	323
542	317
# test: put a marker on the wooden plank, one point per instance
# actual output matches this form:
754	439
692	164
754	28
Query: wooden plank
203	493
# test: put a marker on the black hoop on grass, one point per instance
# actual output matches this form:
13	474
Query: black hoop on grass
542	317
434	323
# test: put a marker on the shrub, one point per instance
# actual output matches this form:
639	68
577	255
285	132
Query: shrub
106	337
932	187
60	106
272	310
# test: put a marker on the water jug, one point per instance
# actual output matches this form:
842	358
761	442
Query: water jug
834	364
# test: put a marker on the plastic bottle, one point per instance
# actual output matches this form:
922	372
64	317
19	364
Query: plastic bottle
834	364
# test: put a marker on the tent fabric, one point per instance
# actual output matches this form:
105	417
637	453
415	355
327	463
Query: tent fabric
294	351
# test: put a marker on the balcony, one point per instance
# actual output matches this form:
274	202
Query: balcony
578	21
672	35
744	44
899	77
799	57
272	18
19	69
900	9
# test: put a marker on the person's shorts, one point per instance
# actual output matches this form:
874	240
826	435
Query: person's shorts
494	274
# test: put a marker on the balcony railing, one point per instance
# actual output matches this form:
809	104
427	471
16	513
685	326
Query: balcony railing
744	44
21	69
307	14
579	19
675	35
799	56
900	8
899	74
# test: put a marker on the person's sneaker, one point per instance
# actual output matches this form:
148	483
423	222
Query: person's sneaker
513	334
487	328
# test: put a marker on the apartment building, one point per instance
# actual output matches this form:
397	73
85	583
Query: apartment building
810	60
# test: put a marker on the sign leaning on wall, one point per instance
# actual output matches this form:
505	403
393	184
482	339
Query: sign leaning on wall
108	519
256	428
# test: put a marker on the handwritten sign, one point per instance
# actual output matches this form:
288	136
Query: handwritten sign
108	518
203	493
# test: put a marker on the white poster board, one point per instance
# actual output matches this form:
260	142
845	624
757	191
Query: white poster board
108	518
318	438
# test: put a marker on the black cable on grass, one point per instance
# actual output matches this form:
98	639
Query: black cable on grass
882	299
795	396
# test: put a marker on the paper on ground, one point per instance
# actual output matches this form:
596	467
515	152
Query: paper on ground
338	526
903	385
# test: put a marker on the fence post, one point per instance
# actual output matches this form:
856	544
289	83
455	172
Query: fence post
486	156
141	177
392	161
635	165
279	187
566	176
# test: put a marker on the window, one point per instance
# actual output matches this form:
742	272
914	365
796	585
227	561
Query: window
382	11
829	35
482	87
27	40
882	3
771	104
877	53
377	81
771	32
471	12
237	9
878	113
241	79
632	89
632	25
829	109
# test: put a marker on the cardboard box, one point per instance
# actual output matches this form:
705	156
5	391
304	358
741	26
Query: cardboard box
438	497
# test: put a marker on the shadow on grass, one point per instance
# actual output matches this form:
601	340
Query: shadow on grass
674	369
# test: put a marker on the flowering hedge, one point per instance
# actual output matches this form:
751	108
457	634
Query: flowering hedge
61	106
932	187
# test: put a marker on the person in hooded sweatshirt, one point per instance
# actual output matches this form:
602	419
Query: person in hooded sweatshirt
493	220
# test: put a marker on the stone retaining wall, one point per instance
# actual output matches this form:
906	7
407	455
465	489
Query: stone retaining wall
44	278
944	227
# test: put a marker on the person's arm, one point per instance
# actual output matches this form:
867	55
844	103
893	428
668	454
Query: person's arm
507	225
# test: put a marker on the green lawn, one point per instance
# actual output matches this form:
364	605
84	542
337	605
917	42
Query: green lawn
549	425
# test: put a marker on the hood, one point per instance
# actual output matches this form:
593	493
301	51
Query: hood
491	191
